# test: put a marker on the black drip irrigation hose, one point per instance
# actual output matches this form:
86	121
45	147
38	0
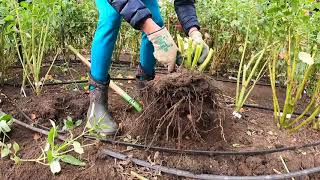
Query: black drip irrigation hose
172	150
112	78
188	174
207	153
178	172
70	82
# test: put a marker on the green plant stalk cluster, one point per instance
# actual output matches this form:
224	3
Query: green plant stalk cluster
294	90
247	72
191	52
34	45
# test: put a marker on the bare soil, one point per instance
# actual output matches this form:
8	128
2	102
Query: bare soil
255	131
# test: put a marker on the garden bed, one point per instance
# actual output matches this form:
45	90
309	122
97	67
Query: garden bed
256	130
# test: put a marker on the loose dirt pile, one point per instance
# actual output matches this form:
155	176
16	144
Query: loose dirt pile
180	105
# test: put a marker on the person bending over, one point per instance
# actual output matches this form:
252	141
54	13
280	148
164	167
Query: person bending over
156	44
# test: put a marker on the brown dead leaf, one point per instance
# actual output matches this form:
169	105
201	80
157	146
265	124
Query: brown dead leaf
36	136
33	116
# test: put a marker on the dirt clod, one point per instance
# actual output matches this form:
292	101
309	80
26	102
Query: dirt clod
179	105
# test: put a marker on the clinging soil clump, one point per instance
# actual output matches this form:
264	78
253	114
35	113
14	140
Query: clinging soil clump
180	105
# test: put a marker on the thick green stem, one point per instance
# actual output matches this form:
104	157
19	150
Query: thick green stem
311	103
240	66
197	56
272	72
204	65
189	55
307	121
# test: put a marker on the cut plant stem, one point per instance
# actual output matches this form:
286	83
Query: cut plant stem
206	62
197	56
180	44
188	62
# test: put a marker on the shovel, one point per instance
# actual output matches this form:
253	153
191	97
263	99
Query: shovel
112	85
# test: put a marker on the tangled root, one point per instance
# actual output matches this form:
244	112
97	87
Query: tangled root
181	104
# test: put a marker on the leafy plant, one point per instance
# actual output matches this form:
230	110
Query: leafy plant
53	153
33	29
246	73
5	123
7	50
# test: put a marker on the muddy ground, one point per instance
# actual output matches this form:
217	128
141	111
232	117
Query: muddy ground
256	131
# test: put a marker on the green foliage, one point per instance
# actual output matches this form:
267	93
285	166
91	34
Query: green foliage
76	22
32	29
53	153
5	123
190	54
7	50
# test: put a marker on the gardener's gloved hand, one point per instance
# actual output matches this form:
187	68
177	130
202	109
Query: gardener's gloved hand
196	36
165	49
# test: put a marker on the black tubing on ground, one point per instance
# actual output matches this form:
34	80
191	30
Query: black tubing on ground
188	174
183	173
206	153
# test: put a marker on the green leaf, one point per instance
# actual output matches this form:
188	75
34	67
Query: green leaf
5	152
55	166
24	4
8	18
50	156
77	147
4	126
6	117
68	123
16	159
72	160
51	136
16	147
78	122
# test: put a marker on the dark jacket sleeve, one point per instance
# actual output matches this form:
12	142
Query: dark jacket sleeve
133	11
186	13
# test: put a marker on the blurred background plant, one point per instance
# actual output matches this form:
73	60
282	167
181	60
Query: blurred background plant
7	50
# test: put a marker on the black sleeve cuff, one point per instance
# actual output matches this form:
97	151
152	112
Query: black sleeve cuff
187	15
133	11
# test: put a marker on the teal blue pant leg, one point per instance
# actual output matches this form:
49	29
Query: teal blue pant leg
147	59
104	40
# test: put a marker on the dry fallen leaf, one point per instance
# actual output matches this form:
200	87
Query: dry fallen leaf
36	136
33	116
